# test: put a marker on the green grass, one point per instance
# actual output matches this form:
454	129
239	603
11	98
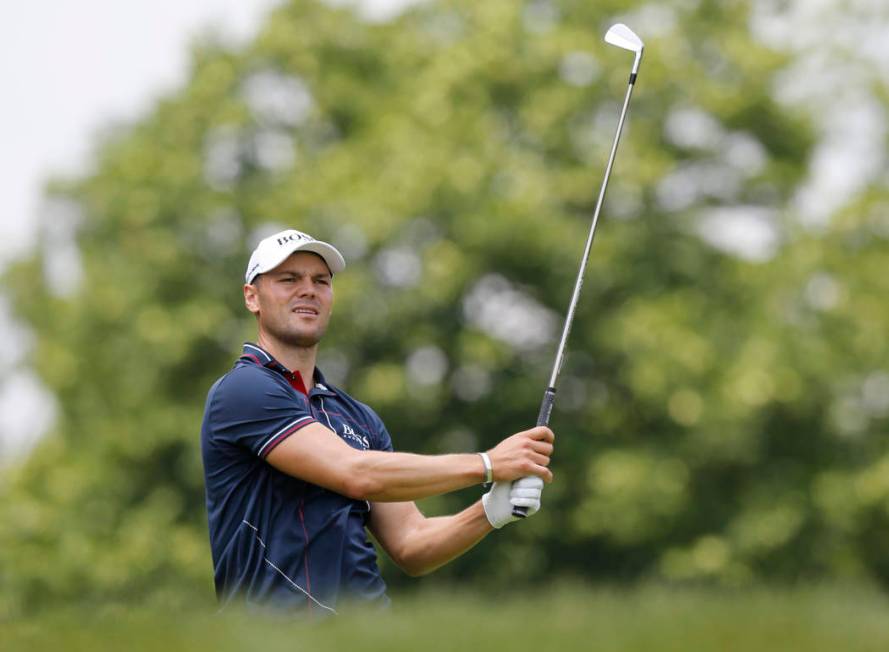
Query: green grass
645	619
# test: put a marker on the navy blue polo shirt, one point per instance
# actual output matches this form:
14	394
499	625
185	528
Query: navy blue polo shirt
277	539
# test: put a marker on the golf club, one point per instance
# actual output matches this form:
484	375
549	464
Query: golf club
623	37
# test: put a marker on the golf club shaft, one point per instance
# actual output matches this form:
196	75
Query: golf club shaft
549	396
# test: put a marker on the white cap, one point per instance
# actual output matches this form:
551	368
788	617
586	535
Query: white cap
275	249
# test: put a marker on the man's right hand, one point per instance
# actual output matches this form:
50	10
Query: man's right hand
523	454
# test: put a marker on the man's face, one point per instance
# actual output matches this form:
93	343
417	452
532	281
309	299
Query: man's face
293	301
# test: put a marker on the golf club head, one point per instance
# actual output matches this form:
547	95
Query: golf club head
623	37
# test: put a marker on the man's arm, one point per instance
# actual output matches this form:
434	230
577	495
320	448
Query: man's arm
316	454
419	545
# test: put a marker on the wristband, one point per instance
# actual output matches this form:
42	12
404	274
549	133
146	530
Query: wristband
489	470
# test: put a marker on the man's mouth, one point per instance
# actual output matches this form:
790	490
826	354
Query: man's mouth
305	310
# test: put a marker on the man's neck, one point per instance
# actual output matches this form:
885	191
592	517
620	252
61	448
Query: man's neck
293	357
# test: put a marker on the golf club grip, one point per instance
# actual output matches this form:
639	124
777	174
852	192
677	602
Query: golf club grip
546	406
546	409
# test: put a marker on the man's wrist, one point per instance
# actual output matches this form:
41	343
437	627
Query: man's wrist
488	476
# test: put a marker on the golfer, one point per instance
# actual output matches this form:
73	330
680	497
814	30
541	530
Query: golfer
297	471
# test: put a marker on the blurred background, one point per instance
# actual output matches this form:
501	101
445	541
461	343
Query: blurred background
723	410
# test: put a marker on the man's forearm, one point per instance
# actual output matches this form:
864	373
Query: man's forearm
396	477
433	542
318	455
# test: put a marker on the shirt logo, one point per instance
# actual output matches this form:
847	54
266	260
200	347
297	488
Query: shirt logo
354	436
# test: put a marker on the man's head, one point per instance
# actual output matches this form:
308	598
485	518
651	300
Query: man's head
289	287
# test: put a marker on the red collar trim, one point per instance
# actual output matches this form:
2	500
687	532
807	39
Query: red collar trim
250	352
296	382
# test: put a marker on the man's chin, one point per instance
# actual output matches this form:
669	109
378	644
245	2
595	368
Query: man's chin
296	335
300	340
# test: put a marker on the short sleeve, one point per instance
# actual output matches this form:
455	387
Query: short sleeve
250	408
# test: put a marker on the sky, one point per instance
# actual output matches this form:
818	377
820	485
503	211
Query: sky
70	67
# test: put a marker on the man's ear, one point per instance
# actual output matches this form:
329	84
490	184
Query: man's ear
251	298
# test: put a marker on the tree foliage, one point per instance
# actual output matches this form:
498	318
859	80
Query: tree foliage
718	418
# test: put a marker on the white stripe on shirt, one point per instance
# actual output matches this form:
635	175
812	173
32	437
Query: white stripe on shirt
288	426
256	348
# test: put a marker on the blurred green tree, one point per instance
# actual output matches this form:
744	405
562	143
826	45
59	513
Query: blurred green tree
719	417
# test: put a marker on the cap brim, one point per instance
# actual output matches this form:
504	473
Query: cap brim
329	254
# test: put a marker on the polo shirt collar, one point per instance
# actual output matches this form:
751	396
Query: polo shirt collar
262	357
259	355
321	386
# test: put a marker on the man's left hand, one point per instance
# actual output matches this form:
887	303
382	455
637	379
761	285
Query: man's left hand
503	496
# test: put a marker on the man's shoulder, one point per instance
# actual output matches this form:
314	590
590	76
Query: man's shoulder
248	394
244	378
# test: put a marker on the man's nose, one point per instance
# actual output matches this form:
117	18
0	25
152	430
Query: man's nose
305	287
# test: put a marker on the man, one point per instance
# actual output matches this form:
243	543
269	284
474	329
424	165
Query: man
296	469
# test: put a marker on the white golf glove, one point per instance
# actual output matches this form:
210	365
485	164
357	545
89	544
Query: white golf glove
503	496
